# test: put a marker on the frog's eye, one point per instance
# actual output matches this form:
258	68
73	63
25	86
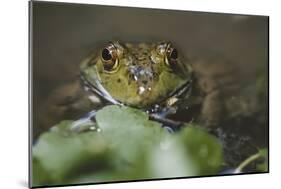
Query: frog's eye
171	55
109	57
106	55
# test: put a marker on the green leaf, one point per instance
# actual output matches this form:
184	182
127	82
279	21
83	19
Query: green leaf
204	149
129	131
62	155
263	154
40	175
128	147
191	152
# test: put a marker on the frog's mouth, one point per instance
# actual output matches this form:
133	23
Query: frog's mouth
99	90
182	90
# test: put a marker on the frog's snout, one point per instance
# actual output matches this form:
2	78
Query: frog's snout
143	77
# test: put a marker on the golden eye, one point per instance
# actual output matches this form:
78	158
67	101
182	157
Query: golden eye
109	58
171	55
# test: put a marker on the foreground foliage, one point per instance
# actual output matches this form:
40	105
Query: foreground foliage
128	147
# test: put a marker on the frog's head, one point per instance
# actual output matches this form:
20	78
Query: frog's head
139	75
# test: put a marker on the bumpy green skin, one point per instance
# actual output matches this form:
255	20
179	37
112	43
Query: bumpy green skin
155	86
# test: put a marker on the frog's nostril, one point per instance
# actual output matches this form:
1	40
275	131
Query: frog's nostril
132	77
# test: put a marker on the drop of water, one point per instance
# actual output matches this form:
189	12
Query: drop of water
135	78
92	128
141	90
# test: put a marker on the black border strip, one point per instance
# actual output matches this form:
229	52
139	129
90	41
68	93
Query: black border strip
268	93
30	91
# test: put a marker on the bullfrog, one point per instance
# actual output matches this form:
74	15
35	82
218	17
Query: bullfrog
139	75
153	77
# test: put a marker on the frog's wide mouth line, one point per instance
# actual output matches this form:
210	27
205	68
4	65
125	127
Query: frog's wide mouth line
182	89
99	90
102	92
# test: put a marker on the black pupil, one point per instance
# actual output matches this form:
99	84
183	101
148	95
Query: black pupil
174	54
106	55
